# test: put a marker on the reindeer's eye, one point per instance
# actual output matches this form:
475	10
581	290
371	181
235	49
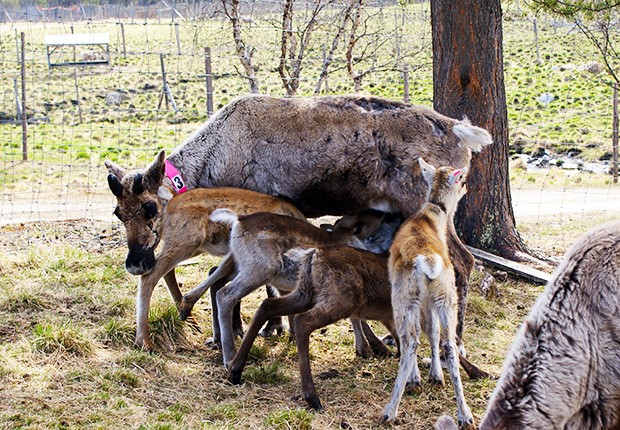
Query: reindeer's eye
117	212
150	210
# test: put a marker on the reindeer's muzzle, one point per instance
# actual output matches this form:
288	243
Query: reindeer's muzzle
140	260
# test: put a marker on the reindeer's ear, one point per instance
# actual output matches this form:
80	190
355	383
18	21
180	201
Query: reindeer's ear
428	171
114	169
154	174
457	176
115	185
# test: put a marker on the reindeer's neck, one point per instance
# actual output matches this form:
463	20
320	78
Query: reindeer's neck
440	218
188	166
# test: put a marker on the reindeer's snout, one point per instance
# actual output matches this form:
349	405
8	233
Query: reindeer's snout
140	260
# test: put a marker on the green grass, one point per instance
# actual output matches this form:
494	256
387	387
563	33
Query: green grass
49	338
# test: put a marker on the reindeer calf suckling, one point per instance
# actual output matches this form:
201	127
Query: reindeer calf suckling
182	223
423	288
334	282
563	369
258	243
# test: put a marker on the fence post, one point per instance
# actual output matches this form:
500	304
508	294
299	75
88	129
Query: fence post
209	78
406	83
123	36
176	30
24	115
614	137
536	41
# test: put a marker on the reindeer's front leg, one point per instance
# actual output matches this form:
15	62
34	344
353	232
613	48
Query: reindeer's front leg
143	301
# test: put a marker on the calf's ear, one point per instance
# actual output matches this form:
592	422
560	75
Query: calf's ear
115	185
428	171
115	169
154	174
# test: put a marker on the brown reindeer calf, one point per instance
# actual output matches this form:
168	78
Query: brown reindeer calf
335	282
182	223
423	288
258	243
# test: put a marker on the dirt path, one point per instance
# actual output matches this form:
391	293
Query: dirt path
526	203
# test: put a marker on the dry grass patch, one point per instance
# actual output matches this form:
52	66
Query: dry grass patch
67	360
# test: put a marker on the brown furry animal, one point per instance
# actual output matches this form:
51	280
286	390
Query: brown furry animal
184	227
563	369
335	282
423	288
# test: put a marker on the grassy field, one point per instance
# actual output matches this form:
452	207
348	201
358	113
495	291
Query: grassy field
67	361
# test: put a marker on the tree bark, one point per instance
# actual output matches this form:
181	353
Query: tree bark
468	80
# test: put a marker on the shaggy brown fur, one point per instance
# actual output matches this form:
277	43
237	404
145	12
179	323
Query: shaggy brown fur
334	283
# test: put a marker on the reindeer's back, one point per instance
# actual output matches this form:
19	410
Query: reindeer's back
354	276
329	155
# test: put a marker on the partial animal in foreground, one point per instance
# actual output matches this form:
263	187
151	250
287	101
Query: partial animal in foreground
423	289
335	282
336	155
258	243
182	223
563	369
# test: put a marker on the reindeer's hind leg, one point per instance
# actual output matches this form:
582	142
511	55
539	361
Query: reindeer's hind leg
293	303
173	287
463	262
305	324
447	319
376	345
406	304
274	324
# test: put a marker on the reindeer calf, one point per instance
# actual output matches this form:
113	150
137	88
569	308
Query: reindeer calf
334	282
183	224
257	246
423	288
563	369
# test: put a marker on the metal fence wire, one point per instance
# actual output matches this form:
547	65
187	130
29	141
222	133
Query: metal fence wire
67	107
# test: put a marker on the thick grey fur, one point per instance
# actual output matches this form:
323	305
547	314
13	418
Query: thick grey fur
563	369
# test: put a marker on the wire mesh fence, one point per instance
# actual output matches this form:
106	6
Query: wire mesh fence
147	90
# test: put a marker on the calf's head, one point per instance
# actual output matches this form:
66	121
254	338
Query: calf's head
140	209
447	184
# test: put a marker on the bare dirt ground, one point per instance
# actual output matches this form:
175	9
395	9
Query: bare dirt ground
526	204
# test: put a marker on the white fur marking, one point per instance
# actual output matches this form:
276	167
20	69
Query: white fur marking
164	193
223	215
430	265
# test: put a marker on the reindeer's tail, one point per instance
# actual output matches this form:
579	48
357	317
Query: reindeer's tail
223	215
304	257
475	138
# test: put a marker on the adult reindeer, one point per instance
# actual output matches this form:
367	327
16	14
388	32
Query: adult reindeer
336	155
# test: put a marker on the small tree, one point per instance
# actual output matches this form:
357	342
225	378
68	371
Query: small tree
295	44
244	52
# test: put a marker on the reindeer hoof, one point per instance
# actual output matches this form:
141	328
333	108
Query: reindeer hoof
213	343
234	377
467	424
414	387
185	308
314	402
435	381
145	345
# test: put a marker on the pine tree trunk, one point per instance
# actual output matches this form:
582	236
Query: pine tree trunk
468	78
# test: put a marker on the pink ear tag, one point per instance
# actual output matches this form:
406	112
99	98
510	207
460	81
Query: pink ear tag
455	174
